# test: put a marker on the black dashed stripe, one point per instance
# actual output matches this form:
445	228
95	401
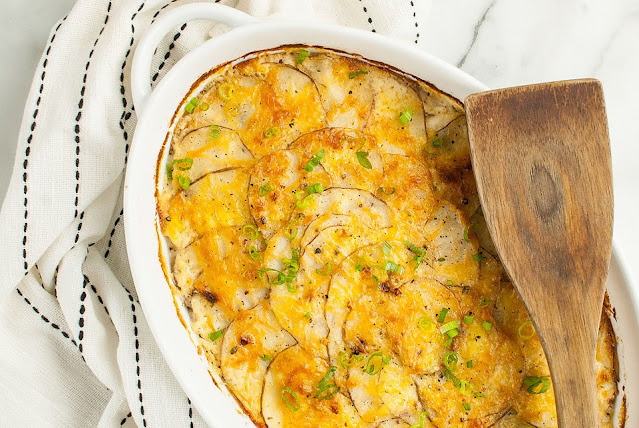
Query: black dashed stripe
157	13
27	151
95	291
137	356
370	20
123	421
46	319
190	413
83	297
167	55
412	5
115	224
78	117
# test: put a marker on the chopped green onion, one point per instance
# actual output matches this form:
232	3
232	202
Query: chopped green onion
452	325
483	303
301	56
291	266
266	357
437	142
254	254
329	374
466	406
362	158
424	323
265	188
291	231
307	315
354	74
422	417
479	394
273	131
348	359
225	91
450	360
387	192
215	335
387	248
215	131
326	269
487	325
393	267
182	164
478	257
302	202
469	319
448	340
441	259
450	376
420	253
450	282
371	369
466	238
537	385
327	392
452	333
442	315
262	274
314	188
295	404
523	326
204	106
250	231
469	364
406	116
184	182
315	160
464	387
192	104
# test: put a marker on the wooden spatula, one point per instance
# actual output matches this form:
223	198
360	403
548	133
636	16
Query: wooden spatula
541	158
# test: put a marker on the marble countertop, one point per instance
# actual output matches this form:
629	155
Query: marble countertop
491	41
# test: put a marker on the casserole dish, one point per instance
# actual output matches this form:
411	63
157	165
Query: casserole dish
156	118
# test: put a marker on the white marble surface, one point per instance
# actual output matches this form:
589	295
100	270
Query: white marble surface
500	42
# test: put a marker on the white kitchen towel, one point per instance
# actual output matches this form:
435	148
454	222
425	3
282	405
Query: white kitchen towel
76	348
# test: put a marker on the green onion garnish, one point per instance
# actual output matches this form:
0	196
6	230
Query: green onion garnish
265	188
273	131
469	319
441	259
406	116
523	326
487	325
326	269
184	182
323	384
452	325
262	274
204	106
182	164
537	385
362	158
371	368
479	394
290	231
469	364
294	404
437	142
387	248
450	282
450	376
354	74
327	392
301	56
250	231
388	191
478	257
464	387
450	360
424	323
302	202
466	406
314	188
215	335
254	254
307	315
483	303
452	333
422	417
192	104
266	357
315	160
466	238
215	131
393	267
291	266
420	253
225	91
442	315
347	359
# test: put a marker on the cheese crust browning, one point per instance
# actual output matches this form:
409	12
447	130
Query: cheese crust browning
327	238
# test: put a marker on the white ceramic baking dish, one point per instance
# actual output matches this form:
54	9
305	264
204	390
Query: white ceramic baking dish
156	111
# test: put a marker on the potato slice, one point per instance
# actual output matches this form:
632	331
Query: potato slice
211	151
449	150
394	95
439	109
277	181
250	343
290	390
183	216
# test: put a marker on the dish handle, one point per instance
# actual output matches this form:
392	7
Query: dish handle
141	67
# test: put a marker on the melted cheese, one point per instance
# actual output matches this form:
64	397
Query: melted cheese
331	308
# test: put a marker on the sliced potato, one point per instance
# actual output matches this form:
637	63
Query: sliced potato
250	343
290	390
439	109
449	150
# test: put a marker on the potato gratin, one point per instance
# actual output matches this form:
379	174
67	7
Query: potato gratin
327	237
